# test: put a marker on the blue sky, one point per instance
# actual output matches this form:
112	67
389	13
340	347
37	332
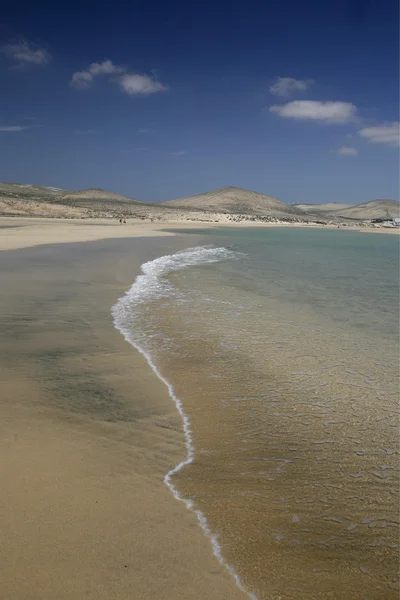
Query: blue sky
298	100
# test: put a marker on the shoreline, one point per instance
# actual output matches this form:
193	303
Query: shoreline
87	434
117	312
236	506
73	232
23	232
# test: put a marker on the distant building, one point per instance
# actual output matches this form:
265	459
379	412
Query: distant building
387	222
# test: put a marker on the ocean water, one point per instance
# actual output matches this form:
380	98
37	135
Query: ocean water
280	349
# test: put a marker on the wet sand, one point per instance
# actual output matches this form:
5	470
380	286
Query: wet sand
87	433
297	517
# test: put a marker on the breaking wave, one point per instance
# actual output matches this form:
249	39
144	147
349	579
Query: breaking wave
153	285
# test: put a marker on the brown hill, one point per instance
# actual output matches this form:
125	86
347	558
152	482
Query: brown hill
95	195
27	191
317	208
36	200
375	209
235	200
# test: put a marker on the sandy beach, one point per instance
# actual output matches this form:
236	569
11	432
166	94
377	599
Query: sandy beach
87	431
21	232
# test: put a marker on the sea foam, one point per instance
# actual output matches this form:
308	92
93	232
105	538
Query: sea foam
149	286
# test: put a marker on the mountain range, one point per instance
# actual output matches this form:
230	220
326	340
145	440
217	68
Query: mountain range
34	200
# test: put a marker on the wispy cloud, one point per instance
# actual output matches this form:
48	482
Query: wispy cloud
285	86
105	68
130	83
14	128
386	133
313	110
84	79
24	53
347	151
177	153
81	80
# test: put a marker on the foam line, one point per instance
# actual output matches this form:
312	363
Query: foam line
148	286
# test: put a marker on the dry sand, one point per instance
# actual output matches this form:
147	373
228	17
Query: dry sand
20	232
87	433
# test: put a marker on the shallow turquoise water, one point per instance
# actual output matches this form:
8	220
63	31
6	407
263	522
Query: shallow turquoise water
346	276
282	345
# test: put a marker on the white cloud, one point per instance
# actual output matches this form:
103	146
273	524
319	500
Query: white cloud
83	79
23	53
14	128
141	84
131	83
104	68
284	86
324	112
347	151
388	133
